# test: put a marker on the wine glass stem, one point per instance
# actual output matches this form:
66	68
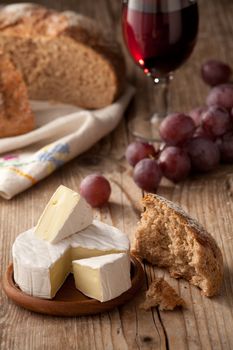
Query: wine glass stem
162	97
147	128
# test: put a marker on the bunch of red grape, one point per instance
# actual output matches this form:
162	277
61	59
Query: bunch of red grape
197	141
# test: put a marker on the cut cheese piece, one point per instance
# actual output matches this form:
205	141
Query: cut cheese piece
40	268
103	277
65	214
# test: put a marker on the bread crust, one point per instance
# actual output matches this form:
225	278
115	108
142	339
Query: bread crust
168	237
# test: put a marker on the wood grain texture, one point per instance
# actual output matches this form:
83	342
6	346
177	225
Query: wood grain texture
205	323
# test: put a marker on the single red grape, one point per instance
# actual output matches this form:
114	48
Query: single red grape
216	121
215	72
196	114
200	132
204	154
147	175
221	95
137	151
96	189
176	128
225	145
174	163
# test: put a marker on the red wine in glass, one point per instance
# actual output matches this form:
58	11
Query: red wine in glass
160	35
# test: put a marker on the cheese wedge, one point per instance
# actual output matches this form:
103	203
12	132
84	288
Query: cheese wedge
103	277
40	268
65	214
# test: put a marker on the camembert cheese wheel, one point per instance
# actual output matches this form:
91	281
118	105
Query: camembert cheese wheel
40	268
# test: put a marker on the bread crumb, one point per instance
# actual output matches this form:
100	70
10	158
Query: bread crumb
16	116
161	294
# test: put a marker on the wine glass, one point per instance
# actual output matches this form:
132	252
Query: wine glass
160	35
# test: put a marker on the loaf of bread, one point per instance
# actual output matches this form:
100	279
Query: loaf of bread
16	116
167	237
161	294
63	56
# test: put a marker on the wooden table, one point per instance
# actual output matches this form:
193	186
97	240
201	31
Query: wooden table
206	323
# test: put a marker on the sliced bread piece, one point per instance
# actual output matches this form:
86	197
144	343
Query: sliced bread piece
161	294
167	237
63	56
16	116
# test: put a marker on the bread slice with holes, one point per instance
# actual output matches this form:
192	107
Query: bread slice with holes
167	237
16	116
63	56
161	294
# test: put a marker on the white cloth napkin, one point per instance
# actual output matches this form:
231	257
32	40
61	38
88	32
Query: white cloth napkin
62	133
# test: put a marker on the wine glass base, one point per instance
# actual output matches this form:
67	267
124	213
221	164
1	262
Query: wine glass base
146	129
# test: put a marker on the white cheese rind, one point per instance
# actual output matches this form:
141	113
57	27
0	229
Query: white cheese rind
101	236
65	214
33	258
112	277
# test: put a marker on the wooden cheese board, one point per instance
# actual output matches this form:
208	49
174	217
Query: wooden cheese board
69	301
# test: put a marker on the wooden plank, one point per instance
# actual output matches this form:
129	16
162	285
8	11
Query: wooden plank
206	323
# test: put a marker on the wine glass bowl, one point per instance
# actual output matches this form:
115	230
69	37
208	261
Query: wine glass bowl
160	35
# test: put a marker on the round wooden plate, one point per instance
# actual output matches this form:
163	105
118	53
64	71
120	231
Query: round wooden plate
69	301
